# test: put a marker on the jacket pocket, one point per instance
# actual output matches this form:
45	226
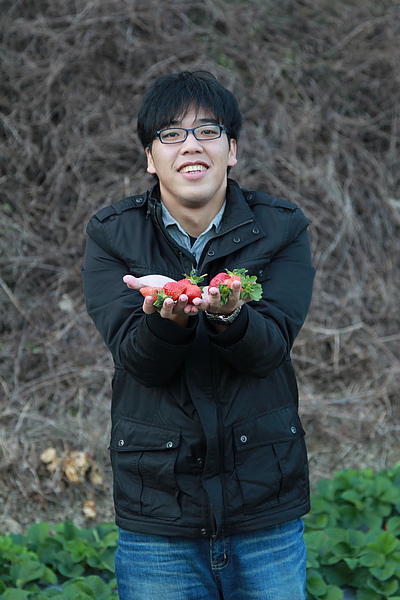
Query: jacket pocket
143	458
270	459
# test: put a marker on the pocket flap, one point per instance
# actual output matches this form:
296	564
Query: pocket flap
130	435
280	425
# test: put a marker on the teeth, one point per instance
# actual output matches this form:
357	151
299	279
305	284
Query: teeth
192	169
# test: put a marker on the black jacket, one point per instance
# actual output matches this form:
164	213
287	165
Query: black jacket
206	437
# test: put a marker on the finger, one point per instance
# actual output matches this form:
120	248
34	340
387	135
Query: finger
167	308
181	303
191	310
132	282
148	307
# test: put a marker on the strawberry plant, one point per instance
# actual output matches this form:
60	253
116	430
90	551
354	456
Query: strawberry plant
352	535
59	561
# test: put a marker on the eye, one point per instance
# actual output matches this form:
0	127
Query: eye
209	130
170	134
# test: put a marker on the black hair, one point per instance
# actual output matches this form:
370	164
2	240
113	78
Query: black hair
171	97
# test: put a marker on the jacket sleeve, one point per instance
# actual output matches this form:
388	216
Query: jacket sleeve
261	338
149	348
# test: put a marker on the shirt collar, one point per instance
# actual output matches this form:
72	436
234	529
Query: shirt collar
169	220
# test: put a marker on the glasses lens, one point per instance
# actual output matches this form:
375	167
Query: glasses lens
207	132
172	136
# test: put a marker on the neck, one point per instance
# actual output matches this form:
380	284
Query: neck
194	220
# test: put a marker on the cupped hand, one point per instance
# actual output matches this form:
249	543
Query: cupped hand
211	300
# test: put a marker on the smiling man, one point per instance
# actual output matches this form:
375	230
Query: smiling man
207	448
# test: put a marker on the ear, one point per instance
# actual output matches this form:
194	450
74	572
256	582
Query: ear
232	160
150	162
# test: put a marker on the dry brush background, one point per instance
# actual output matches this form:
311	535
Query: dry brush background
319	85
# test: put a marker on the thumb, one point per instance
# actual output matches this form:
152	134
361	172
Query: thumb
132	282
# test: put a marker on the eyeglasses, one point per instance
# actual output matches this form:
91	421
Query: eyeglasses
177	135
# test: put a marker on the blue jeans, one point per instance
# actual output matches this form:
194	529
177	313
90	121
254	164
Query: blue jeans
263	565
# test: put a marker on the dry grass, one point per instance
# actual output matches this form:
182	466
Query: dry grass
318	83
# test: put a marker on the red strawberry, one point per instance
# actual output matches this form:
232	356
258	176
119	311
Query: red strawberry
231	279
192	291
218	279
150	291
174	289
249	288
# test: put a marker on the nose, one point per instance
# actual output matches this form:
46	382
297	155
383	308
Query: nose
191	144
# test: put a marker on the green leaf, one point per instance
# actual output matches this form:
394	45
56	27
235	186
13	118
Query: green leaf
333	593
365	594
393	525
385	572
38	533
28	570
352	563
316	585
354	498
13	594
385	588
372	559
386	543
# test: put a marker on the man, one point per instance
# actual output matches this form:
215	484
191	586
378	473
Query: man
207	448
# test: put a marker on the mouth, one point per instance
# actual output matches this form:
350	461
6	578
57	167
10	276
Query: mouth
197	168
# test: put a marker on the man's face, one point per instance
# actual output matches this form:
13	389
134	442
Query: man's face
193	173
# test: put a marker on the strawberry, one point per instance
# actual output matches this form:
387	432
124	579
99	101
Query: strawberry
174	289
218	279
192	291
150	291
249	288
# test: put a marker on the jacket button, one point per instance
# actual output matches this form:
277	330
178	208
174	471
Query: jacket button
200	461
293	429
236	240
203	531
255	230
121	442
250	197
210	253
243	439
169	444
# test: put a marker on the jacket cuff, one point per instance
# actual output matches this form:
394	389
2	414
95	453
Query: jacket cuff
233	334
168	331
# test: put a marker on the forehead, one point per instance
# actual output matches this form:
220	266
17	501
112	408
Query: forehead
193	116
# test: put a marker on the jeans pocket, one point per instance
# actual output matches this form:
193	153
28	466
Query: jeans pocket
270	459
143	458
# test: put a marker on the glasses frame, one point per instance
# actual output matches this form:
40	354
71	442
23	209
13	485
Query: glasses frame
191	130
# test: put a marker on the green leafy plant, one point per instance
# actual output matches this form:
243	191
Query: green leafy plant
60	562
352	536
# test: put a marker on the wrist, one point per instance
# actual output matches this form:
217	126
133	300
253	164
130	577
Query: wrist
219	319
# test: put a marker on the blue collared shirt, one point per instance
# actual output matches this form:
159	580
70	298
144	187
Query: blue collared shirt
183	239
